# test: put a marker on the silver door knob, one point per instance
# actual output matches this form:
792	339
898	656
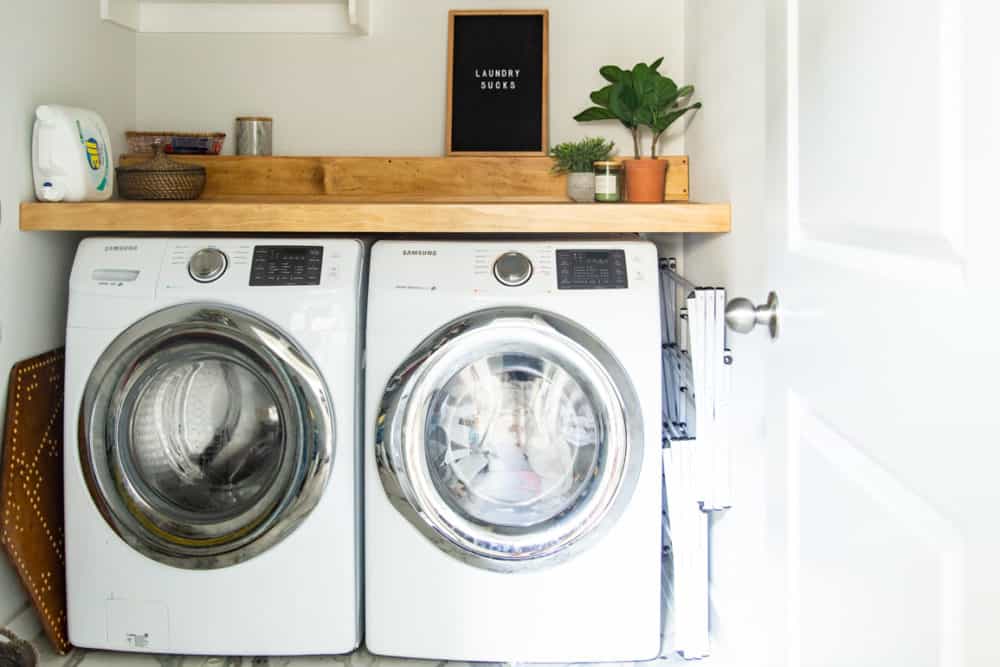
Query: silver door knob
742	316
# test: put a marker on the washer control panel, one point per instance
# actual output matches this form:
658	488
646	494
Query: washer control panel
513	269
591	269
274	265
207	265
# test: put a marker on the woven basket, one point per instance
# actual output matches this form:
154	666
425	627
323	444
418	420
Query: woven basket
15	651
161	178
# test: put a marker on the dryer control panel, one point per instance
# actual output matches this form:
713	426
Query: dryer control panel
591	269
516	269
286	265
227	265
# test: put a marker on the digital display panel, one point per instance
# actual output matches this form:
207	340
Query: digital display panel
591	269
286	265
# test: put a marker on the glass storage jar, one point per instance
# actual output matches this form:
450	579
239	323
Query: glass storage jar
608	181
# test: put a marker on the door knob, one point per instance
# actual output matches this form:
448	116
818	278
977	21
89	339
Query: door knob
742	316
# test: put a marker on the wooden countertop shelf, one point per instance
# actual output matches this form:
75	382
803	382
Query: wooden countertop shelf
315	215
398	195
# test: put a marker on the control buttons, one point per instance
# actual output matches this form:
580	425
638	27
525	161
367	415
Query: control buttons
207	265
512	269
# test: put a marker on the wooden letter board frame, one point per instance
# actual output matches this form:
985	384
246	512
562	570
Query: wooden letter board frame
542	150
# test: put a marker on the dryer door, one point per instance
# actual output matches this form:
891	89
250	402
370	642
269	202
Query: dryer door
207	435
510	437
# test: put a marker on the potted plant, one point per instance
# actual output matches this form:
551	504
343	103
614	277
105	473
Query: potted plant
638	98
576	159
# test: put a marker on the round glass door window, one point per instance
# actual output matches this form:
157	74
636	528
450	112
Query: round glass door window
512	440
205	437
507	439
208	436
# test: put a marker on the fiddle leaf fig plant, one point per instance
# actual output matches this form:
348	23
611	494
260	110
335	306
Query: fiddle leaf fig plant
637	98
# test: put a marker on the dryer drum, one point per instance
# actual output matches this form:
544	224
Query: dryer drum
207	435
510	437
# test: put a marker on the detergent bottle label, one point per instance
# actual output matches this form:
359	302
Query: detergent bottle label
96	153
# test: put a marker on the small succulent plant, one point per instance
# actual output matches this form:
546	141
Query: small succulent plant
580	156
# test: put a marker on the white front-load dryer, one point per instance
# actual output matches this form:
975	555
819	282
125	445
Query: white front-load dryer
512	463
212	483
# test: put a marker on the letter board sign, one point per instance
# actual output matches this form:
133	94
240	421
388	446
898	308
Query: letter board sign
498	82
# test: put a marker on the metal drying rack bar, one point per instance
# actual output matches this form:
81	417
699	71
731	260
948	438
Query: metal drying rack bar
678	399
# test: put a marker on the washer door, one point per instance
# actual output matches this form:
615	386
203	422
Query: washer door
207	435
510	437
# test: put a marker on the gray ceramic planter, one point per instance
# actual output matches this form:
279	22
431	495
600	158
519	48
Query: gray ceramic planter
580	186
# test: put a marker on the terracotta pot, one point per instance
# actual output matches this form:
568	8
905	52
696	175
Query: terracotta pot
645	180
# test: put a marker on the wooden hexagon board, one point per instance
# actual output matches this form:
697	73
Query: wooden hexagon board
31	492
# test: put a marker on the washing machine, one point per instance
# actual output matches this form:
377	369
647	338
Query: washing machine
512	475
212	468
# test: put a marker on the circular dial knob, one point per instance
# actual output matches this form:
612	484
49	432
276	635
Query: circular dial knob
512	269
208	264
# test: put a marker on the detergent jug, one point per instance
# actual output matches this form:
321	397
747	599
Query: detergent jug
71	155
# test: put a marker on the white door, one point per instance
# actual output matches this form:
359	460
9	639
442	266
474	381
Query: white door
858	142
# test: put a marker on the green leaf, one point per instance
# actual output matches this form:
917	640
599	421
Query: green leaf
644	116
602	97
669	119
595	113
665	92
625	98
612	73
655	65
623	104
642	79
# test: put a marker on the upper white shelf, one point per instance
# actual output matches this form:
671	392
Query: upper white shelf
241	16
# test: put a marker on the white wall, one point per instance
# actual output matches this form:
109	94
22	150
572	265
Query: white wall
385	94
51	51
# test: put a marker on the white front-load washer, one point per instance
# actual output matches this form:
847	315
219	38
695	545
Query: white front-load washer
512	465
212	476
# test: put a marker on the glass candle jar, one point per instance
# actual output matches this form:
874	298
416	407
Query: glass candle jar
608	181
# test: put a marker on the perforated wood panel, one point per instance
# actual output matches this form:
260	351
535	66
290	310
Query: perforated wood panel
31	492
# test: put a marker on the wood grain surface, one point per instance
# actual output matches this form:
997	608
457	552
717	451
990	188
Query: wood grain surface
396	179
294	215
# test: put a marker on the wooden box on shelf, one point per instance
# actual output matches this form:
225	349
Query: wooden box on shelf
467	195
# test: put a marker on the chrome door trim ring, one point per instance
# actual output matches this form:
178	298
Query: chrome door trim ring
399	445
302	392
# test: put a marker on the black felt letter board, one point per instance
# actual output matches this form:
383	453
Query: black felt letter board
498	79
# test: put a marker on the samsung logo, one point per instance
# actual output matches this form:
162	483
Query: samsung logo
121	248
421	253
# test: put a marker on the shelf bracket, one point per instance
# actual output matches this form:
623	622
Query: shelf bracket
246	16
121	12
359	15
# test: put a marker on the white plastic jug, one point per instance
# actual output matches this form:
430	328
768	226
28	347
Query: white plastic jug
71	155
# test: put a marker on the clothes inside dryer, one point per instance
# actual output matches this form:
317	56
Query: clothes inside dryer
512	440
